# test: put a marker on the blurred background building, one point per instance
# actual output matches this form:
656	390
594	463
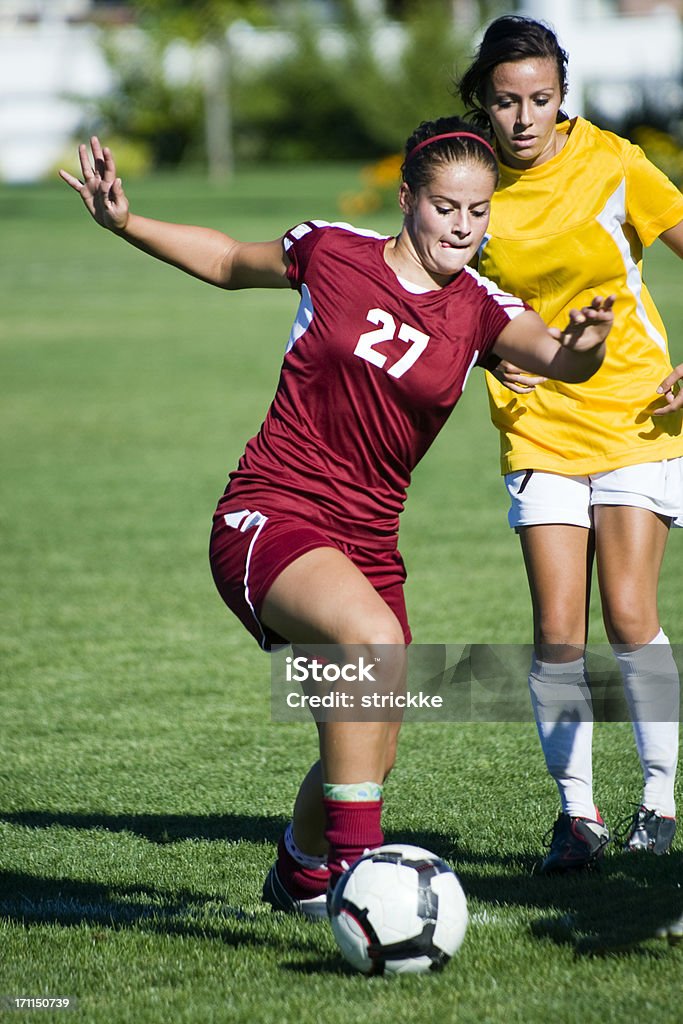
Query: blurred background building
202	81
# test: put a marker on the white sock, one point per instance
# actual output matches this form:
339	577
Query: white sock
306	860
563	711
652	687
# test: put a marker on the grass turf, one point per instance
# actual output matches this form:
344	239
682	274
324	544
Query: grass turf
143	785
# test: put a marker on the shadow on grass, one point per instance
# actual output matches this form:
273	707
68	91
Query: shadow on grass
616	909
612	909
606	911
160	828
31	900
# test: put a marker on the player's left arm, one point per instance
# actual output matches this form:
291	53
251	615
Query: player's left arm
572	355
674	239
210	255
669	387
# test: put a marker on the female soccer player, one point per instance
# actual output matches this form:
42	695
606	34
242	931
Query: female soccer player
304	544
593	469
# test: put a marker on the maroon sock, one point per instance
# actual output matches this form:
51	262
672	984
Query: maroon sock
353	826
300	882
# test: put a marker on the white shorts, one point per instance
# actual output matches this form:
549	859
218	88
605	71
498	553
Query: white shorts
537	497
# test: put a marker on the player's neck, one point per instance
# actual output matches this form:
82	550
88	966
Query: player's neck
400	257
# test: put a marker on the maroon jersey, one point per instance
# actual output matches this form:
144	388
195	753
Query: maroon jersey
371	373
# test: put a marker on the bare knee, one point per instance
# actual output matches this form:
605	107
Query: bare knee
381	639
560	634
628	620
388	659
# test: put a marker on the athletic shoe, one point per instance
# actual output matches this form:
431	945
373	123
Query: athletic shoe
576	844
649	830
275	893
672	932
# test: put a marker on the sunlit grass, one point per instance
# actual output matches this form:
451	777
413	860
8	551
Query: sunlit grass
142	784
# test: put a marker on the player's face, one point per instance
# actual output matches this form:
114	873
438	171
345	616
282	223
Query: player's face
446	219
522	101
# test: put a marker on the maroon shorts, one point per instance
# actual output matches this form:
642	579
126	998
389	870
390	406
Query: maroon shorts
249	550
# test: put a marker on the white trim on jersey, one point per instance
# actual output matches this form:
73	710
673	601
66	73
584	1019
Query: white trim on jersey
512	305
234	519
244	520
303	319
611	218
298	232
365	232
302	229
469	369
247	596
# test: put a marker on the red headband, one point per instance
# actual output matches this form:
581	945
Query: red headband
449	135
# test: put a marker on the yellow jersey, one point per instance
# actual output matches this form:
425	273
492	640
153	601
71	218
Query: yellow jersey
560	233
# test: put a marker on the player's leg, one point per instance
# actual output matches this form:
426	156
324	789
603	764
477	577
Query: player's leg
322	598
308	819
630	548
552	516
287	582
630	545
309	811
326	597
305	876
558	560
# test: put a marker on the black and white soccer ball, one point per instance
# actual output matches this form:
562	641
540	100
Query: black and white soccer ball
398	910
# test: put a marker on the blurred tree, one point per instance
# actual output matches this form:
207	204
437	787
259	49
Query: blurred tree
391	101
162	122
467	13
352	100
349	83
206	23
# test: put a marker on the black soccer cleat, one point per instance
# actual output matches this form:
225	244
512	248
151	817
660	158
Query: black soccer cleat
577	844
649	831
275	893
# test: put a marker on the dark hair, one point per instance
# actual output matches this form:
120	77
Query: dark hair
506	40
417	169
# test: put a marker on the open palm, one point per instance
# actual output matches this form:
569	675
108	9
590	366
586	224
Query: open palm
101	191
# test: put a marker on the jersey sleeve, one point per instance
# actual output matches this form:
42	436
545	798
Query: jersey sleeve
653	203
299	244
498	308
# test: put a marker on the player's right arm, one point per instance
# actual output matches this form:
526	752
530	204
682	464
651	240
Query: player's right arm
210	255
572	355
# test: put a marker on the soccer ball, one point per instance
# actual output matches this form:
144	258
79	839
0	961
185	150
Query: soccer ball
398	910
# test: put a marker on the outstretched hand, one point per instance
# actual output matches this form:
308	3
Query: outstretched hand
672	394
587	327
101	191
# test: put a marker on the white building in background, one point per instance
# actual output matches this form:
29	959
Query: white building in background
50	63
617	51
48	54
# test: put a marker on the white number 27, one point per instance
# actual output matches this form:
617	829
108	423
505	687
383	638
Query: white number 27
365	347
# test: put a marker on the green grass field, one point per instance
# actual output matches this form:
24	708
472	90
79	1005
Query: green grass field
143	784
